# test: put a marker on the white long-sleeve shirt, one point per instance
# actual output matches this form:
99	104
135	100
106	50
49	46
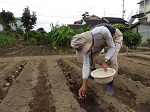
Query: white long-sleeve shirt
101	35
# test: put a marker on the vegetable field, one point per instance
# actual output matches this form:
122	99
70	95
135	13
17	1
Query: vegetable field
46	79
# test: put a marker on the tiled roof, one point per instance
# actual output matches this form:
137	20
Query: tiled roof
94	22
93	17
115	20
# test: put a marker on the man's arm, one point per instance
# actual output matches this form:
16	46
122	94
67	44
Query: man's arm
109	40
85	75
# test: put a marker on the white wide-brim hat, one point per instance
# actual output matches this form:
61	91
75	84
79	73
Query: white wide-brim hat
82	43
101	76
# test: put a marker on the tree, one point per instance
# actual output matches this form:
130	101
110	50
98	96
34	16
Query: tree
131	39
42	31
6	18
85	15
120	26
28	20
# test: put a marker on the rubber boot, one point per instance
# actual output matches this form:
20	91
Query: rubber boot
109	89
90	77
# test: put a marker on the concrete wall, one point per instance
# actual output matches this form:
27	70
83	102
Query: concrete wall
144	30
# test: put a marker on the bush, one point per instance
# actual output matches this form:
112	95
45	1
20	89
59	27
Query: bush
148	41
120	26
131	39
32	41
7	39
61	35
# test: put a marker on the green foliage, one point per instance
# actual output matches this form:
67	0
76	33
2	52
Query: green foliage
85	15
28	20
7	39
19	31
120	26
41	30
32	41
36	36
61	35
82	29
6	18
131	39
148	41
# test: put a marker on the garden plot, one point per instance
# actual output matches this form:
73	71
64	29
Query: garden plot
51	83
132	92
28	51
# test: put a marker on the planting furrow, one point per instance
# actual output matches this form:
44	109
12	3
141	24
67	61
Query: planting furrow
64	100
47	50
43	51
10	51
32	50
3	65
8	77
16	52
42	97
135	76
8	71
132	93
20	92
134	71
54	51
139	56
96	92
38	51
24	51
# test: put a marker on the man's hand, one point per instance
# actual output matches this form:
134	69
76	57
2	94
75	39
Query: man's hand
82	92
82	89
104	65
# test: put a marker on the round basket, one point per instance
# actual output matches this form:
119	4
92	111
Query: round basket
101	76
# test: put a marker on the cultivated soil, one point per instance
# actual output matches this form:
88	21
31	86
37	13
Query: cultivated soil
47	81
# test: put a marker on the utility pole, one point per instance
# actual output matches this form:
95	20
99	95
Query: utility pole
123	11
144	7
104	13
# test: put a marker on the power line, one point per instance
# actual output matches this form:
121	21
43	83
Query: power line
52	16
56	9
39	6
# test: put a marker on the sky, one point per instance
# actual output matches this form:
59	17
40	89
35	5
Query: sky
67	11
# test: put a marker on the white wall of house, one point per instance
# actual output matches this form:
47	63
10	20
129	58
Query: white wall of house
18	22
13	27
148	17
144	30
1	27
83	22
145	7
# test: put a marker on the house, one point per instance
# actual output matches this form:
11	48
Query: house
142	28
13	27
1	27
143	24
94	20
114	20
